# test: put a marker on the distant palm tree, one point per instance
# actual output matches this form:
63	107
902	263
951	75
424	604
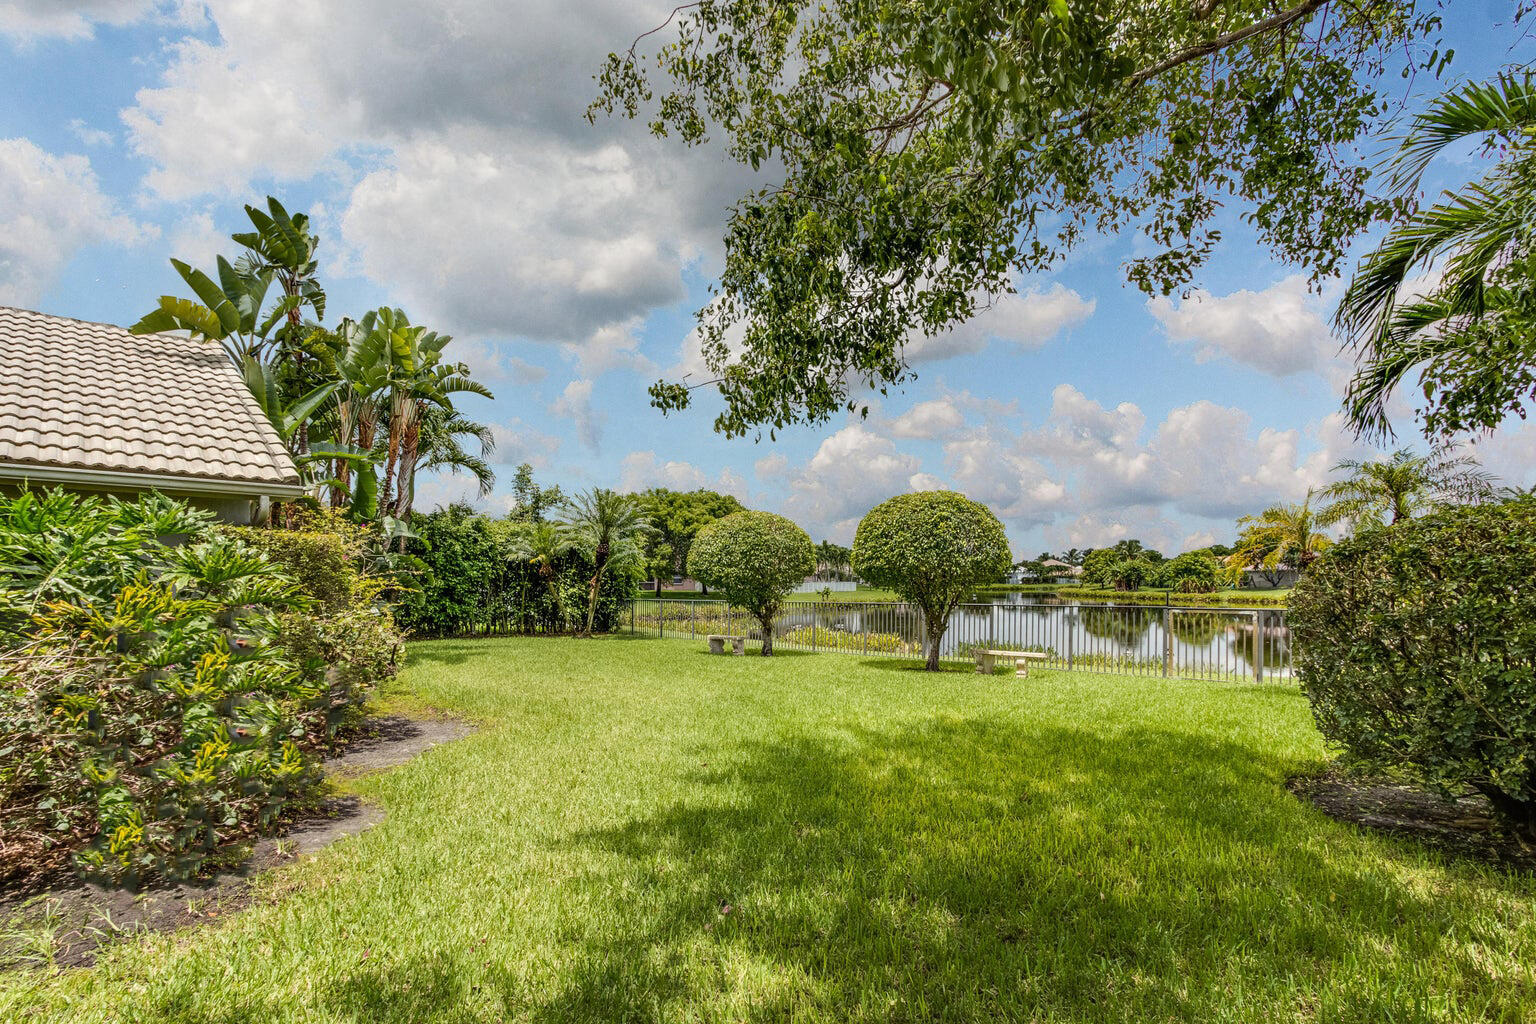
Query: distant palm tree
609	529
1282	536
541	547
1403	486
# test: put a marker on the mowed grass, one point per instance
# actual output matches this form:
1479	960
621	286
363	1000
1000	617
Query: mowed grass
643	832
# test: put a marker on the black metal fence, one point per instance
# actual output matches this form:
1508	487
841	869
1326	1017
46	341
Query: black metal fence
1193	643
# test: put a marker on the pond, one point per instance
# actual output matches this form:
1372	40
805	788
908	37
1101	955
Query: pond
1195	642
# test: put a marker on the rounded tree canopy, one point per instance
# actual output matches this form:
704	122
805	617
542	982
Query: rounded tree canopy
930	547
753	558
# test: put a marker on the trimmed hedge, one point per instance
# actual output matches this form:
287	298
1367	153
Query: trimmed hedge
1416	644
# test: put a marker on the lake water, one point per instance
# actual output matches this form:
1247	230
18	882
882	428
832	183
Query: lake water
1154	640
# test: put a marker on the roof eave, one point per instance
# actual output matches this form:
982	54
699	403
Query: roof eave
110	479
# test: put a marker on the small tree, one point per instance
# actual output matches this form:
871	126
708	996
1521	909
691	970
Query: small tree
1131	573
608	529
1097	565
1193	572
932	548
755	559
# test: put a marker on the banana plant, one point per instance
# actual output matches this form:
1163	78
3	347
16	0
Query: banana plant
229	310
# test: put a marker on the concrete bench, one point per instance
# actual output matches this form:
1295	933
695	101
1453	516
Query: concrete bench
986	661
717	644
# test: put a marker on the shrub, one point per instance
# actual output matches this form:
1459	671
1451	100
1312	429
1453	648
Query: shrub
1193	572
470	579
144	730
158	693
60	546
754	559
847	640
932	548
1416	645
345	640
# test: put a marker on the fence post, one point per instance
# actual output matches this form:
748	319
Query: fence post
1258	647
661	617
633	621
693	618
1167	642
1070	621
814	617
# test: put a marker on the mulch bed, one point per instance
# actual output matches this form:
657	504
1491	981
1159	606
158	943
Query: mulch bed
81	918
1464	827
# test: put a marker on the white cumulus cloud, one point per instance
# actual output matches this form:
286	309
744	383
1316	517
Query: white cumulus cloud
51	207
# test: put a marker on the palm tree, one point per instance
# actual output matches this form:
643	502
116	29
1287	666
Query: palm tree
439	448
1282	536
413	377
1482	236
542	546
609	529
1403	486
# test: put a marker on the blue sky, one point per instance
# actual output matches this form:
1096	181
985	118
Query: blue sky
441	151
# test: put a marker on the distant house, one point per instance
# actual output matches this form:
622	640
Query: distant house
92	407
1054	570
1062	570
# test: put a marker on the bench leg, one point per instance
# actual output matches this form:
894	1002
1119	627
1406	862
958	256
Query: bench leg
717	647
1021	669
739	648
984	664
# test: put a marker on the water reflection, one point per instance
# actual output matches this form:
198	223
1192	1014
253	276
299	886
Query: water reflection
1214	643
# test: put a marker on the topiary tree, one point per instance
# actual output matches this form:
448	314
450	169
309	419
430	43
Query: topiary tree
932	548
754	559
1416	644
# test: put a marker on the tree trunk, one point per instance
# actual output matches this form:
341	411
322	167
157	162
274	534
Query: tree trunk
936	627
766	621
1518	814
593	586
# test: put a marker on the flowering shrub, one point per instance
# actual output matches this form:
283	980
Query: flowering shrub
143	731
161	679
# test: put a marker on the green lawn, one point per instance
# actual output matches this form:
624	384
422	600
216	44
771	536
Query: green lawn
641	831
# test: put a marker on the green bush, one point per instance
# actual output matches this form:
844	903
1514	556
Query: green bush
345	640
754	559
847	640
145	729
1416	644
1193	572
932	548
468	580
163	678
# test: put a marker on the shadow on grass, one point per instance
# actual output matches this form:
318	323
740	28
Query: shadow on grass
971	869
964	870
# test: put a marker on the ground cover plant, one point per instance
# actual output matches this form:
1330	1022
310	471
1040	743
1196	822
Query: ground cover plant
640	830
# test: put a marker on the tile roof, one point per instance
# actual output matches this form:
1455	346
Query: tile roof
92	397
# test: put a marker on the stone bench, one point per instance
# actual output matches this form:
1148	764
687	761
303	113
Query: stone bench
986	661
717	644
